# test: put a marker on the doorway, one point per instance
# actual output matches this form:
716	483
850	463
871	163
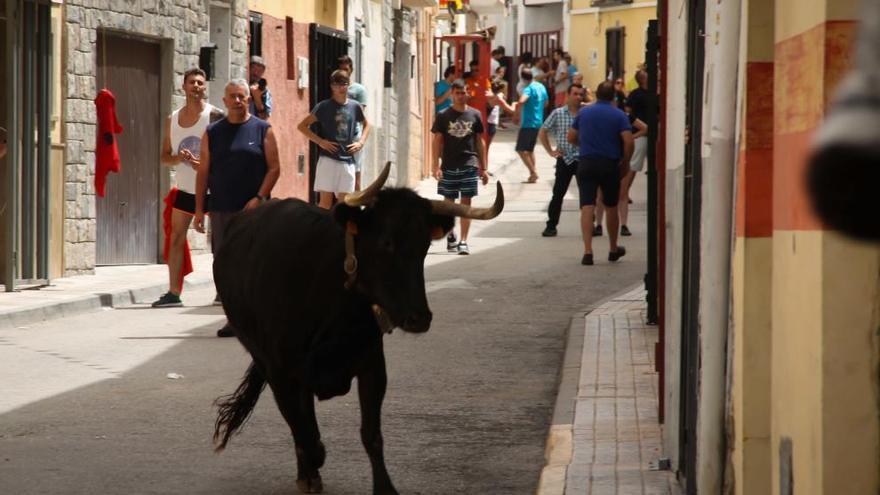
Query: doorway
128	216
693	179
614	52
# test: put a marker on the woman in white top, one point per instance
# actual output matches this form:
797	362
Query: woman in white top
497	102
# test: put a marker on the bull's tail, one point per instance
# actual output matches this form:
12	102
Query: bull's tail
236	408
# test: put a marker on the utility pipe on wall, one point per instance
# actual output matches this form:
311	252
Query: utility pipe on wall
723	32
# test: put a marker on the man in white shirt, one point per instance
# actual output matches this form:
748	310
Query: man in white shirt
180	148
561	79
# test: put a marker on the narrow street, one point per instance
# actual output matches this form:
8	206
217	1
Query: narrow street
88	405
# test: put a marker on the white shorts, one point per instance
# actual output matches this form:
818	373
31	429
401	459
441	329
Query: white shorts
640	153
334	176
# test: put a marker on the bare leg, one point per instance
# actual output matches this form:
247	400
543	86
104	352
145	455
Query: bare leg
587	227
371	392
613	226
465	222
179	225
453	222
528	159
341	196
357	181
326	200
623	204
600	208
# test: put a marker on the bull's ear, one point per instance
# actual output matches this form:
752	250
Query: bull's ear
440	225
343	214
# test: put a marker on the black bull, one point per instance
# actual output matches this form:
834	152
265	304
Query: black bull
309	324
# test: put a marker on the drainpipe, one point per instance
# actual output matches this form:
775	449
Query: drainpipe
13	150
717	221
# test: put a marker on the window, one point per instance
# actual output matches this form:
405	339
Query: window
255	25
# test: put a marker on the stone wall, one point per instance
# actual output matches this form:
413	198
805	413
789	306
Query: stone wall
182	24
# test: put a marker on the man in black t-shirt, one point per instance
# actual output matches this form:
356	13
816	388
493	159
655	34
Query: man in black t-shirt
458	146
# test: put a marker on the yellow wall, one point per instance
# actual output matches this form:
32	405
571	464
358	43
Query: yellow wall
587	32
326	12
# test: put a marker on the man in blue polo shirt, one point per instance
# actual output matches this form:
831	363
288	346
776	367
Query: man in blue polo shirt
603	134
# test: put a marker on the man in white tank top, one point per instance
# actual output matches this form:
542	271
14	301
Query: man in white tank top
180	149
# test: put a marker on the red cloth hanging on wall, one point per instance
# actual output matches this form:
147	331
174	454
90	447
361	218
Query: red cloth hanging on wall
106	148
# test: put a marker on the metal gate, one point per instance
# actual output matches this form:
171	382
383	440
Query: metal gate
539	44
128	216
25	210
326	45
693	179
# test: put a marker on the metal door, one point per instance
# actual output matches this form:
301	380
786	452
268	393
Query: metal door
539	44
614	51
690	337
128	216
326	45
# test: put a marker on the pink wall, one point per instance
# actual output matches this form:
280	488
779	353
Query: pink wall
290	105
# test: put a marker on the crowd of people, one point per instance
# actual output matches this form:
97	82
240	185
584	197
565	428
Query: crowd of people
600	139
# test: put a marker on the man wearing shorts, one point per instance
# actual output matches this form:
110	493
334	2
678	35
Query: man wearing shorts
602	133
459	157
337	136
530	115
180	149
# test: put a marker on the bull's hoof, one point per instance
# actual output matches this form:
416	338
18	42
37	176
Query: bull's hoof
310	485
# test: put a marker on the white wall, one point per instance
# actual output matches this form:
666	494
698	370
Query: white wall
538	19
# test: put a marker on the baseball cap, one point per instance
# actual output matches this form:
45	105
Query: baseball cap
256	59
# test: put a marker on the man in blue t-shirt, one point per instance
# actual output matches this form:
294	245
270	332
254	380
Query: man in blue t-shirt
443	90
604	137
530	116
337	121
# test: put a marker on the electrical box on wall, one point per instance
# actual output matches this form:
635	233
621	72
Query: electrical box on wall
302	69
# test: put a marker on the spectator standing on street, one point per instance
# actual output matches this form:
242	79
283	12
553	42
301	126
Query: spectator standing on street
561	79
261	97
459	158
443	90
530	115
239	163
181	149
566	154
497	104
497	66
637	108
338	118
358	93
603	135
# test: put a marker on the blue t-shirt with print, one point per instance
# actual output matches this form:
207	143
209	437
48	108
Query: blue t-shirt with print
337	122
533	110
599	126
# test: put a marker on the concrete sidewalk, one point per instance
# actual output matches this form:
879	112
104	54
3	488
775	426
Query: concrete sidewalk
110	286
606	438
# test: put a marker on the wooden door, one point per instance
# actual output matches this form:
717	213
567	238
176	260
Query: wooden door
128	216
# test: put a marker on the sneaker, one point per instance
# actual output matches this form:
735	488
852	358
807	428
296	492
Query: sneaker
463	248
597	230
168	300
226	331
549	232
451	243
624	231
587	259
616	255
217	301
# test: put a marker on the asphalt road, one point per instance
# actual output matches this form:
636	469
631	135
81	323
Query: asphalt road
89	407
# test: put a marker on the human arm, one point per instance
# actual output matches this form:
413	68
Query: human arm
273	170
435	155
507	107
517	115
262	105
202	184
168	157
365	132
482	156
545	141
304	127
641	129
442	96
572	137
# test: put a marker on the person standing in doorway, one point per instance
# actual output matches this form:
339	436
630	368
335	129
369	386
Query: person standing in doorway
604	137
530	115
358	93
239	163
181	149
459	158
261	97
566	154
337	118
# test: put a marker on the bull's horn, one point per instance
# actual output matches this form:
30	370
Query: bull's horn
365	197
459	210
